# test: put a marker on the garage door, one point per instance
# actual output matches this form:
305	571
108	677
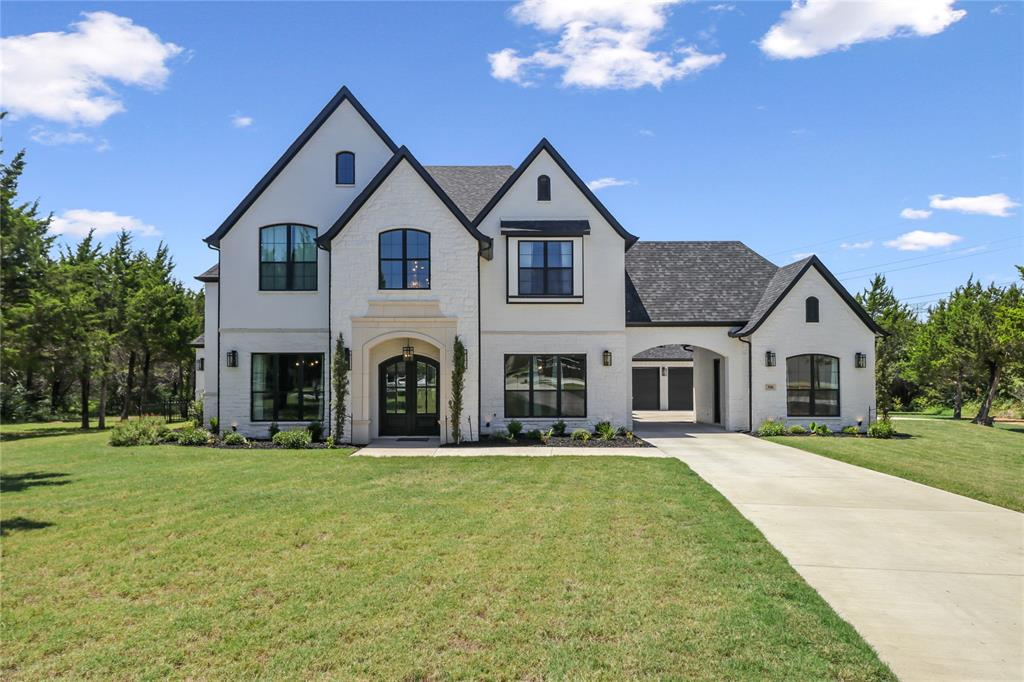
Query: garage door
646	388
680	388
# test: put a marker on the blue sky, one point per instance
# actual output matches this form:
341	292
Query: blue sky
813	140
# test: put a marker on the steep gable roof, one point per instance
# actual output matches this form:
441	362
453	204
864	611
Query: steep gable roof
343	95
545	146
403	154
470	187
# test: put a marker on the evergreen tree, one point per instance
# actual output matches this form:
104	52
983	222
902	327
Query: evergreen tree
892	350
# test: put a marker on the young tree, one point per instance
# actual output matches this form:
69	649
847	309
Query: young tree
458	387
339	377
891	351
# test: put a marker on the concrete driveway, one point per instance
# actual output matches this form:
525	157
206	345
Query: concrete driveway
932	580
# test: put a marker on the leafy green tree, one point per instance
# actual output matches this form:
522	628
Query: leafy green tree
1000	317
892	356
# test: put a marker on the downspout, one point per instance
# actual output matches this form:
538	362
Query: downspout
479	349
220	297
328	377
750	383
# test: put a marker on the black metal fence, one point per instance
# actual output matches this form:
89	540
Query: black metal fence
173	410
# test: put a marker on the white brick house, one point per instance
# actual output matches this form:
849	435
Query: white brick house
564	314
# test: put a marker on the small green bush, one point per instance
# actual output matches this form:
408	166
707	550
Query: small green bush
329	442
771	427
797	430
316	431
147	431
851	430
195	412
604	430
882	428
235	438
581	435
214	425
532	435
274	430
822	430
558	428
193	436
515	428
293	439
545	436
501	434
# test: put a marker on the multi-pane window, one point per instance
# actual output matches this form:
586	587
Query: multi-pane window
288	258
345	168
545	268
404	259
812	386
287	387
545	385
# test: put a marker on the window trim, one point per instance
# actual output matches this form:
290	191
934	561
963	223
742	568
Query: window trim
814	372
276	391
404	261
558	391
812	309
543	188
546	268
290	263
336	179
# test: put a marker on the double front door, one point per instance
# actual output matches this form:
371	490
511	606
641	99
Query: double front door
409	396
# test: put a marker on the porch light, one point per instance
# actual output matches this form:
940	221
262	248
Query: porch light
408	352
607	357
232	358
769	358
348	357
860	360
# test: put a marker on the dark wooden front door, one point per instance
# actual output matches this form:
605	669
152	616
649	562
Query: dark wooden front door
408	397
680	388
646	388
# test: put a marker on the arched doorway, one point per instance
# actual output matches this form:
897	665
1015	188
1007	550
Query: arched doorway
408	391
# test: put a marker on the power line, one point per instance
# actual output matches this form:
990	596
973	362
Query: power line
827	241
972	249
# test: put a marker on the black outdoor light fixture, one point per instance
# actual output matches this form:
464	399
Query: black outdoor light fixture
348	357
607	357
860	360
769	358
408	351
232	358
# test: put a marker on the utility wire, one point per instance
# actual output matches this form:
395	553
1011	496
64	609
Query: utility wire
963	251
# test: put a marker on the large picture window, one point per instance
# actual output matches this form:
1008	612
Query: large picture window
404	259
545	268
812	386
287	387
545	385
288	258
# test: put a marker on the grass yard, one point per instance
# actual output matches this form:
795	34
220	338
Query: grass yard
202	563
976	461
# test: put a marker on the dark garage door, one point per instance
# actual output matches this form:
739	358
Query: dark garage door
646	388
680	388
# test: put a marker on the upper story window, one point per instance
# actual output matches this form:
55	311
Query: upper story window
288	258
543	188
545	268
345	168
404	259
812	386
811	309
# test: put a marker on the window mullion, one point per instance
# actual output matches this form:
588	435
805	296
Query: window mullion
558	385
289	268
533	364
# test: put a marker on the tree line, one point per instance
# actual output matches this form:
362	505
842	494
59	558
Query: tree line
87	329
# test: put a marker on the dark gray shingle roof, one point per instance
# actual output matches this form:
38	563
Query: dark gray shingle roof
668	352
777	286
470	187
694	282
199	341
211	275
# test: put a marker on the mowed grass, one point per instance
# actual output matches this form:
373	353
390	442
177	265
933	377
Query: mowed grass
199	563
976	461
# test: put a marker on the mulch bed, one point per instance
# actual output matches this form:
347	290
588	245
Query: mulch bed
554	442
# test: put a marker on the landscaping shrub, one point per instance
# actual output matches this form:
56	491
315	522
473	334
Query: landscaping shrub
581	435
604	430
501	434
771	427
195	412
822	430
515	428
235	438
214	425
274	430
882	428
558	428
194	436
545	436
147	431
797	430
533	435
852	430
316	431
293	439
329	442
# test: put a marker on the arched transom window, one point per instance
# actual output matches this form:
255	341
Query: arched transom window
404	259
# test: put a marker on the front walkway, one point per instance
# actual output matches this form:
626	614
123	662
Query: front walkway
932	580
431	447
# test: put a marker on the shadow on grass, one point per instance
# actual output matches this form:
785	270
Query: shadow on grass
20	523
13	483
9	435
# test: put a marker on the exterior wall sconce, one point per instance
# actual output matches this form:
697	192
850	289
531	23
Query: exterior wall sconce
769	358
664	371
860	360
408	352
201	364
348	357
607	358
232	358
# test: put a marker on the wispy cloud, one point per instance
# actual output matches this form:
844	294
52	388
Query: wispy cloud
645	132
239	121
857	245
77	222
915	214
604	44
55	138
602	183
814	27
921	240
997	205
801	256
722	7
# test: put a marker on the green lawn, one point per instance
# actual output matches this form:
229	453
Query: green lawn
977	461
201	563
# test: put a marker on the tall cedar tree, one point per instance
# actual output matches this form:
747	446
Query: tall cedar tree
891	351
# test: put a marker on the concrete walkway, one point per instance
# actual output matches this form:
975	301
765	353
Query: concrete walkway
431	447
932	580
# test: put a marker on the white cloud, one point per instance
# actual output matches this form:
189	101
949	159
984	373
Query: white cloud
239	121
602	44
54	138
920	240
997	205
857	245
722	8
801	256
69	76
645	132
601	183
813	27
915	214
78	221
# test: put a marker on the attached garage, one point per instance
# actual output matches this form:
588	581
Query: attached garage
680	388
663	379
646	388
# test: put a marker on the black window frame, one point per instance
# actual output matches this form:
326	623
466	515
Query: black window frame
200	364
543	188
290	261
581	357
811	391
337	168
545	268
404	260
276	391
811	309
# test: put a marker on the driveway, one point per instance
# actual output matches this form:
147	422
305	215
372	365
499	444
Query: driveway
932	580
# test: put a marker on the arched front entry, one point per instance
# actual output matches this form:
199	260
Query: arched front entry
409	395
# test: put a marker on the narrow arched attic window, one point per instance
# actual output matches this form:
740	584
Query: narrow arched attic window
811	309
345	168
543	188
